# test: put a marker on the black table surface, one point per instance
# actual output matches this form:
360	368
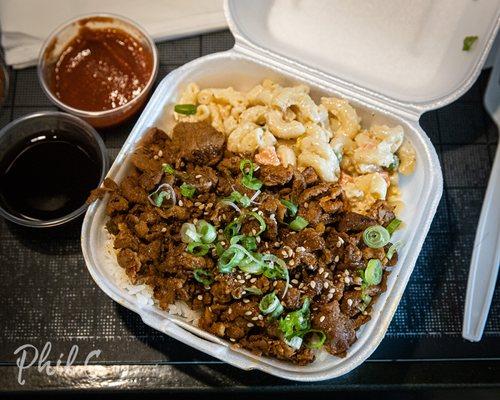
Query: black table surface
47	295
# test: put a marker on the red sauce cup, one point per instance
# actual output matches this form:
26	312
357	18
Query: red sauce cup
58	41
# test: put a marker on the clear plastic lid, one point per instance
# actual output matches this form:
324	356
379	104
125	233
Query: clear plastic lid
404	50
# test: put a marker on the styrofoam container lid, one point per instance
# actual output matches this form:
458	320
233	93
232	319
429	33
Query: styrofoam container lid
405	51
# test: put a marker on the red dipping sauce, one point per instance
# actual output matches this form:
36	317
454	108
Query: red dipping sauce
101	69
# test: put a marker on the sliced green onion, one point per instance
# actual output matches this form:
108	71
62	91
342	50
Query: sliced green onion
248	179
277	312
393	226
230	258
248	242
393	249
162	192
232	229
207	231
275	267
366	299
186	109
468	42
160	197
269	303
294	342
292	208
168	169
373	272
318	343
251	183
297	322
243	199
376	236
219	249
250	265
197	248
189	233
254	290
188	190
203	276
298	223
260	220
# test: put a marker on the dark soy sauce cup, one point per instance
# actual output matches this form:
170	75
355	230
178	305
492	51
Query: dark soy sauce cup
49	163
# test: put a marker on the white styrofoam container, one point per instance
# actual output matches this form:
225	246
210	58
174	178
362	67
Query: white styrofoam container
418	65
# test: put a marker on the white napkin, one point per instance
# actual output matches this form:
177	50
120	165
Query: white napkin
25	24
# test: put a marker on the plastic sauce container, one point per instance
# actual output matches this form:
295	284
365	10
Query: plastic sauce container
100	68
338	49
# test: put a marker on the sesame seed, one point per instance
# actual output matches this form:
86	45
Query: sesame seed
155	157
254	232
248	313
272	216
332	290
244	293
255	318
326	285
275	283
249	324
209	205
230	310
313	284
291	263
255	209
347	279
163	229
242	281
160	153
349	302
200	297
365	313
321	270
201	206
197	203
295	281
285	254
357	288
238	276
195	220
297	276
253	280
322	318
232	339
260	213
300	249
181	203
330	296
246	301
247	276
257	239
198	176
301	286
326	275
276	244
339	243
306	205
336	259
261	317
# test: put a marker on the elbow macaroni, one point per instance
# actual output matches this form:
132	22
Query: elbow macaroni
284	125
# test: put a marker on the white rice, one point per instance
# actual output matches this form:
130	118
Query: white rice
142	293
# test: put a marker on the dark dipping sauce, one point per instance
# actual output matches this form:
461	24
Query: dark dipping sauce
47	177
101	69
